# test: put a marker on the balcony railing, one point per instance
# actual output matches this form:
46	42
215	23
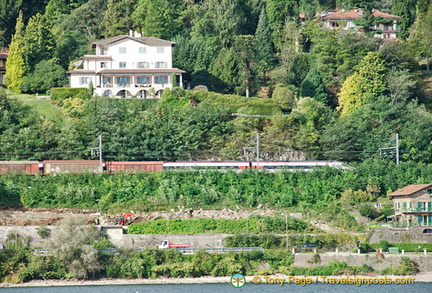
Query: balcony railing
422	209
405	224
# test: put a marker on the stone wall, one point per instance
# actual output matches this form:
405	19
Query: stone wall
401	235
116	236
424	262
23	231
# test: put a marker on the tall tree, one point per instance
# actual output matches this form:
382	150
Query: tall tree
228	19
16	66
263	43
278	13
118	17
83	23
39	42
405	9
226	67
313	86
422	6
158	18
244	46
8	16
364	85
420	39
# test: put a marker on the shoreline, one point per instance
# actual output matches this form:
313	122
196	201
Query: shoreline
421	277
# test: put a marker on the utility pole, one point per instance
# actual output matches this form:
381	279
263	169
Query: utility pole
391	148
397	149
257	149
98	151
255	139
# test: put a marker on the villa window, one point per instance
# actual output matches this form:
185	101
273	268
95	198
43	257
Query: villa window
123	81
160	49
122	64
142	50
104	64
143	65
104	51
122	50
84	80
143	80
161	79
161	64
106	81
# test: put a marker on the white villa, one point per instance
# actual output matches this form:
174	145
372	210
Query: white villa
127	66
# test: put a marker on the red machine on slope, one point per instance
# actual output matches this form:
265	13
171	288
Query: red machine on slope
124	219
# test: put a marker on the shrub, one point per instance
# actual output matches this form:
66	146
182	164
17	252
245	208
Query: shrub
357	196
384	245
406	267
44	232
316	258
58	95
366	210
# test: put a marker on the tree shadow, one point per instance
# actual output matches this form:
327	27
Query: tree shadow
213	83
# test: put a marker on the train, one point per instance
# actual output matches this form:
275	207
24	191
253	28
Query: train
52	167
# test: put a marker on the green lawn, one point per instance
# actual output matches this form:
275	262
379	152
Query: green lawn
44	108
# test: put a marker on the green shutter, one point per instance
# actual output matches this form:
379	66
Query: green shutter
429	220
419	219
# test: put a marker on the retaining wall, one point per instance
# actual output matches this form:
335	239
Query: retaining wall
377	263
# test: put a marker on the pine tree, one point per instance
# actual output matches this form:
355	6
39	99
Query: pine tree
405	9
118	17
228	19
420	39
244	47
16	66
263	42
278	12
8	14
313	86
38	41
157	18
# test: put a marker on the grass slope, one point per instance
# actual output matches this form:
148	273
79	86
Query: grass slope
44	108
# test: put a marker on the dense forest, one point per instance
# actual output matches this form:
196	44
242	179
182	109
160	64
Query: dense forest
315	93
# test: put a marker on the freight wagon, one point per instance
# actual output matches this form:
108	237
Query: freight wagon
20	167
71	166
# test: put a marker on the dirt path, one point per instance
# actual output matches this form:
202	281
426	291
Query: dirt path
51	216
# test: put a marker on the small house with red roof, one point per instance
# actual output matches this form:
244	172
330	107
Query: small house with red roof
345	20
128	66
413	204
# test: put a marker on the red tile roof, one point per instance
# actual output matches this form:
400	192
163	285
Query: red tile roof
356	14
3	55
410	189
151	41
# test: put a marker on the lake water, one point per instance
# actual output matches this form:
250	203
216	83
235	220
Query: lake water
214	288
